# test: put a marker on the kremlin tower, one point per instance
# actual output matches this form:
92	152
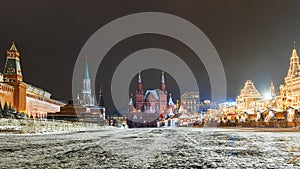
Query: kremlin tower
13	76
85	108
162	94
21	96
139	95
86	92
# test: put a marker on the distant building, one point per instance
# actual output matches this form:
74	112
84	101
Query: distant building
248	94
85	108
148	106
285	106
290	90
191	101
24	97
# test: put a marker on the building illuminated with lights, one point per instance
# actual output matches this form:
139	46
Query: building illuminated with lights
248	94
285	106
290	90
25	98
191	101
146	109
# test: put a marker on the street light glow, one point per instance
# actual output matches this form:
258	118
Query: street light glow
267	96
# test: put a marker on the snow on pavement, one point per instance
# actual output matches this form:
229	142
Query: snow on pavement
152	148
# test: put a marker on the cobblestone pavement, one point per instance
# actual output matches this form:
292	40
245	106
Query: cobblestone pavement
152	148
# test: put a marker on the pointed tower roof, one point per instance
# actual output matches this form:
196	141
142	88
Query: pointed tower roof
163	85
12	69
171	100
13	46
272	89
130	100
294	53
86	73
140	86
101	98
163	77
140	79
249	90
294	68
182	108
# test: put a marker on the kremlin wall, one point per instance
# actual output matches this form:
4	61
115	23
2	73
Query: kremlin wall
23	97
37	103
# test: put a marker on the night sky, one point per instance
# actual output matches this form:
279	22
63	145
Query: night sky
254	40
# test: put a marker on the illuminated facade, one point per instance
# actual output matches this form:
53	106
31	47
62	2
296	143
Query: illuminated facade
149	106
284	106
191	100
152	101
290	90
248	94
25	98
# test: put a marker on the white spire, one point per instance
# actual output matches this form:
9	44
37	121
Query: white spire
162	77
130	101
294	63
140	79
171	100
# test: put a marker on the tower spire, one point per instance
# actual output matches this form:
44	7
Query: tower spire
86	73
171	100
294	44
87	98
101	98
12	70
130	104
139	95
13	75
140	86
163	85
162	77
13	46
272	89
130	100
294	64
140	79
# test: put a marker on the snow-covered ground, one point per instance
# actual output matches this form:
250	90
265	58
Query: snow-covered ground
152	148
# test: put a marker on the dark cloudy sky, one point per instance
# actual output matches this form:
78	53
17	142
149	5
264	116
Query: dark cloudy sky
253	38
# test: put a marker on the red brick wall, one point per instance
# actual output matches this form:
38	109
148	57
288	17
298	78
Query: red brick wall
6	94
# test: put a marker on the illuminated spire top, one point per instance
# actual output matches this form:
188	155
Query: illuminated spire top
171	100
86	73
101	97
162	77
140	86
272	89
130	100
140	79
294	54
13	46
294	68
100	91
12	69
163	85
